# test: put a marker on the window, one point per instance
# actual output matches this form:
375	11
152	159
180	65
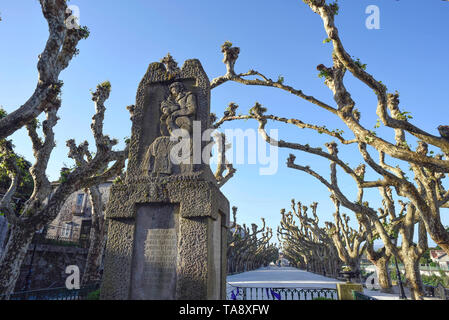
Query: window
66	231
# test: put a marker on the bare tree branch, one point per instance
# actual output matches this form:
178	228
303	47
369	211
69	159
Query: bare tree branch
59	50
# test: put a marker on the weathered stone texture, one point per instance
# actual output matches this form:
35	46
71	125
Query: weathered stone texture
118	258
138	209
155	252
152	90
199	205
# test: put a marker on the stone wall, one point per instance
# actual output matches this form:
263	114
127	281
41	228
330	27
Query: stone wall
48	266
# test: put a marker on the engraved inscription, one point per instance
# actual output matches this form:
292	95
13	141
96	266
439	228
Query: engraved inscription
160	258
153	271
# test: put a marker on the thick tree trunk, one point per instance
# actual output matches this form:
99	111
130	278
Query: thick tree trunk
413	275
94	257
383	275
97	237
441	240
12	259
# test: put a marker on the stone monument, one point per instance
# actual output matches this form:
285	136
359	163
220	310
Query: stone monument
167	221
440	292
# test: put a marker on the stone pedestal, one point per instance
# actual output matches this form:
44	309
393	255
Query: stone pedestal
167	222
345	290
166	241
440	292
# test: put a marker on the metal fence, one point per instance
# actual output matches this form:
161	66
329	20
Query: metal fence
422	267
56	293
44	238
259	293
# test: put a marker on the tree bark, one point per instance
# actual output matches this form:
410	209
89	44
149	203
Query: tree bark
413	276
12	259
97	236
383	275
93	261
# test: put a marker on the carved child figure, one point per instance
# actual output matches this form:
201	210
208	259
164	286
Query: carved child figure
179	109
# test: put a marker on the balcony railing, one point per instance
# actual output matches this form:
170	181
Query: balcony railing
56	293
259	293
44	238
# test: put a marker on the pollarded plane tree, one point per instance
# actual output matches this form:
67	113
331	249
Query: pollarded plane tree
263	252
97	236
330	253
292	254
248	246
386	222
297	247
427	194
239	245
233	237
292	250
307	244
90	169
247	251
350	243
44	204
402	226
324	255
397	232
60	48
268	252
380	256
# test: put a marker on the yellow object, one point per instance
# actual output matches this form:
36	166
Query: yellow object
345	290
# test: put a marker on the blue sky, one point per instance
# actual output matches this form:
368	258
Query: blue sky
408	53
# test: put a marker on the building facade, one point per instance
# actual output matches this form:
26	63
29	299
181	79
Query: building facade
440	257
74	220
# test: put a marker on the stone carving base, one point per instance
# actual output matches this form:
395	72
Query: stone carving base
345	290
187	219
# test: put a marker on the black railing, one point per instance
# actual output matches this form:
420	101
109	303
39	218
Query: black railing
259	293
42	238
56	293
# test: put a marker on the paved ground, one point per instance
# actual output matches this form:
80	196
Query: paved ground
287	277
281	277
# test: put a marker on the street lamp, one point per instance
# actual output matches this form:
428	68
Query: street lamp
402	295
